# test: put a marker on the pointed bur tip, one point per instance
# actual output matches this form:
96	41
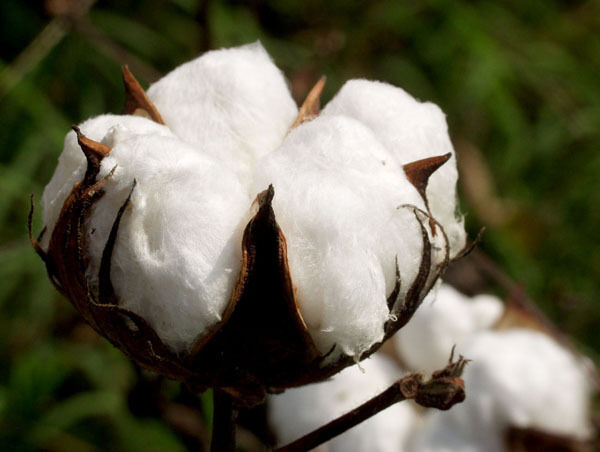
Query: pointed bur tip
136	101
311	106
418	174
419	171
93	150
266	197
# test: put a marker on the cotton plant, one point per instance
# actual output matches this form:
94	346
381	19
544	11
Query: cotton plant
220	235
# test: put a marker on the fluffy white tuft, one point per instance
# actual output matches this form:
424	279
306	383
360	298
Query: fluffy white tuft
177	255
337	192
71	162
516	378
232	103
445	318
300	410
178	252
410	130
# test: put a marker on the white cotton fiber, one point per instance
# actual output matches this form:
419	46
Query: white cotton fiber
337	192
178	251
232	103
72	163
177	254
445	318
410	130
519	378
301	410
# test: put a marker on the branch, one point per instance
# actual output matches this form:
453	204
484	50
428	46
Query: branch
224	418
444	389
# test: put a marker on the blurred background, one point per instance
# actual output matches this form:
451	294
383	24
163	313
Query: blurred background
519	82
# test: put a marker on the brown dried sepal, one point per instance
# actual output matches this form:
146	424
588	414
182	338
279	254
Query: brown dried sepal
311	106
136	101
418	174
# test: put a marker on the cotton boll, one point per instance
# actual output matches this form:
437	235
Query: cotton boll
410	130
337	192
109	129
445	318
301	410
177	254
535	382
231	103
519	378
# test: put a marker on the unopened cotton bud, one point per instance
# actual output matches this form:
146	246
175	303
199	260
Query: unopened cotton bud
231	103
445	319
300	410
516	378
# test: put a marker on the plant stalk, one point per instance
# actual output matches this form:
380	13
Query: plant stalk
444	389
379	403
224	423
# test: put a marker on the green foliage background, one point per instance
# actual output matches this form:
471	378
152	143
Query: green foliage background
519	82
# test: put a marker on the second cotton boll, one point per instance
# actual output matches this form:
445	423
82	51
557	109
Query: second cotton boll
517	378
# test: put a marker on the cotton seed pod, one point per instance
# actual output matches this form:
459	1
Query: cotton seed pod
220	236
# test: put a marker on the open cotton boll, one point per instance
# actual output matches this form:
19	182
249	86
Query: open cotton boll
109	129
177	255
518	378
410	130
300	410
232	103
337	192
445	318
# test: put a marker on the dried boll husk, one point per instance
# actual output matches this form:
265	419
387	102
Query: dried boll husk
130	218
